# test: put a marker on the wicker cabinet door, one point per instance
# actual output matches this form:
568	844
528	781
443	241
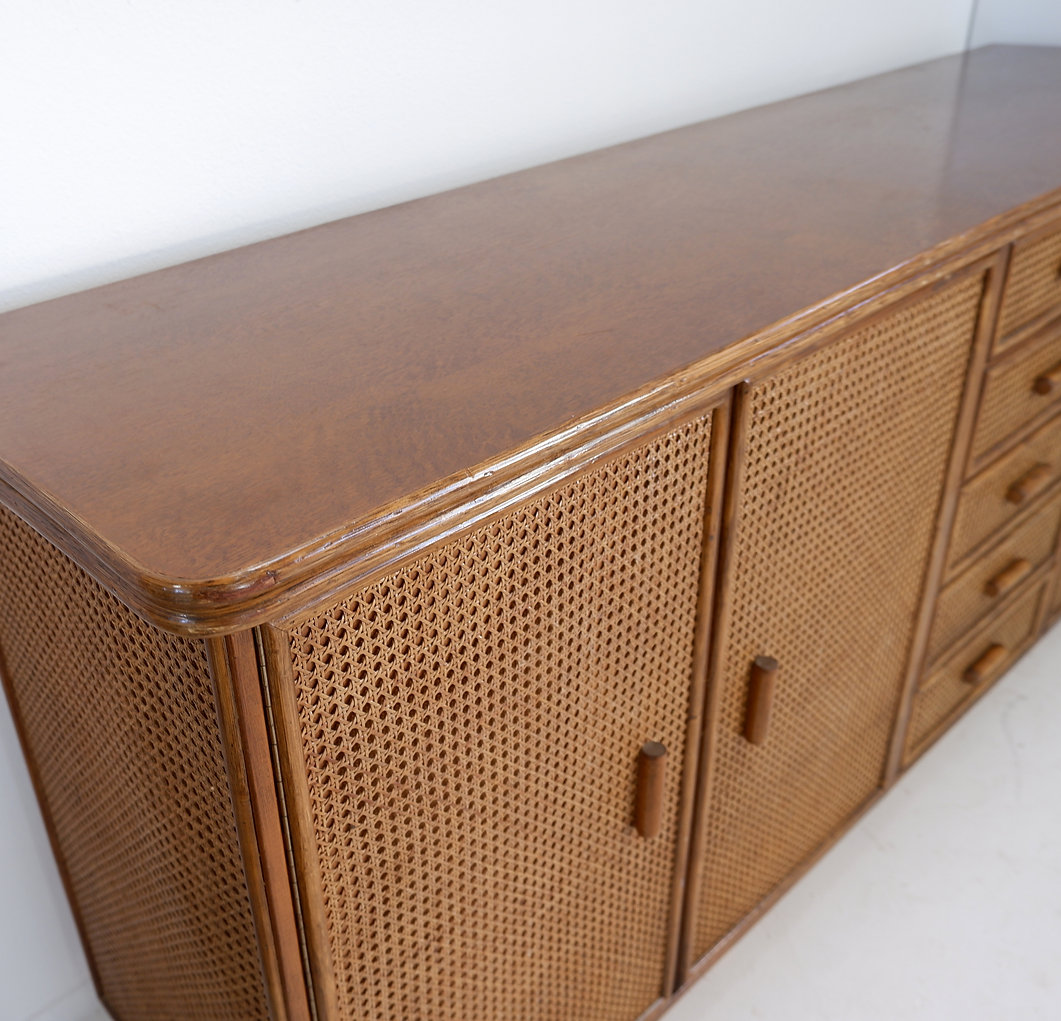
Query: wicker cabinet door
470	729
835	498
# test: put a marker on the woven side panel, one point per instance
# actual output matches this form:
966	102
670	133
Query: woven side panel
946	690
1009	401
471	728
966	600
121	722
1033	284
845	459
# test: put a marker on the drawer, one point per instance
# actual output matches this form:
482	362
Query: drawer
1033	284
1025	384
987	582
1055	599
973	668
995	497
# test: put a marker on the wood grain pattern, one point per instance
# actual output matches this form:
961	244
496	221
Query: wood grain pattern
209	438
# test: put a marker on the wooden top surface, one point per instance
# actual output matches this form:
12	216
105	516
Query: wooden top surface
204	422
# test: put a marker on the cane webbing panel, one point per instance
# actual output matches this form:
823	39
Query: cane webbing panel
121	724
1034	282
966	599
845	459
1009	400
983	507
947	689
471	727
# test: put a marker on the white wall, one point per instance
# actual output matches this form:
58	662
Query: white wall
1036	22
135	135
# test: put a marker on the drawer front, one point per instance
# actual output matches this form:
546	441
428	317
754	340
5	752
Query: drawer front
994	498
470	727
987	656
1023	386
1033	285
1055	600
987	582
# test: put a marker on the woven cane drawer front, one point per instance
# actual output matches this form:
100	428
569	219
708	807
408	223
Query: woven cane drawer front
845	452
1004	490
984	584
951	685
1020	388
121	722
471	726
1033	284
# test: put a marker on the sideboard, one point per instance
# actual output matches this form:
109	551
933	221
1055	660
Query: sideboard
485	608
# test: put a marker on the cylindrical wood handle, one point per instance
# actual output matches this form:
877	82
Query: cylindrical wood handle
651	769
760	698
1030	484
984	668
1009	578
1049	381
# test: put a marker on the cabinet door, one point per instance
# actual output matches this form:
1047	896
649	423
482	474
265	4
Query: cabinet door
834	493
468	731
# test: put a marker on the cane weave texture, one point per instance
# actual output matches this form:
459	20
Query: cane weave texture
1009	399
983	508
946	690
966	599
121	724
471	729
846	453
1033	285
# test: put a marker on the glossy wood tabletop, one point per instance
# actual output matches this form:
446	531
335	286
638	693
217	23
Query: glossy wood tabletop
207	421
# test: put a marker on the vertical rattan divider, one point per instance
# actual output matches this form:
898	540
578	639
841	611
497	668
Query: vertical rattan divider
460	737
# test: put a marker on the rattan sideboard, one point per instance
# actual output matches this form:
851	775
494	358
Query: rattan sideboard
485	608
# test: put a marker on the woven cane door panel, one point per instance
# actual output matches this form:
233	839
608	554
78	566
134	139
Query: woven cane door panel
471	726
843	468
121	724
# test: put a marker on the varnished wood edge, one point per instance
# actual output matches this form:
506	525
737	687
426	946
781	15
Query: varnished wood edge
716	480
279	676
49	826
718	628
316	571
947	508
234	668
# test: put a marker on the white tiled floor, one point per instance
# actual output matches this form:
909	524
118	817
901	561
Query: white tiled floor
943	903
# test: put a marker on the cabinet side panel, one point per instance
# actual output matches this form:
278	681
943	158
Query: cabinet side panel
845	454
120	722
471	727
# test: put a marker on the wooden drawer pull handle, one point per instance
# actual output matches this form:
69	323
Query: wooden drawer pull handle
1049	381
1030	484
760	699
1009	578
986	665
651	769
